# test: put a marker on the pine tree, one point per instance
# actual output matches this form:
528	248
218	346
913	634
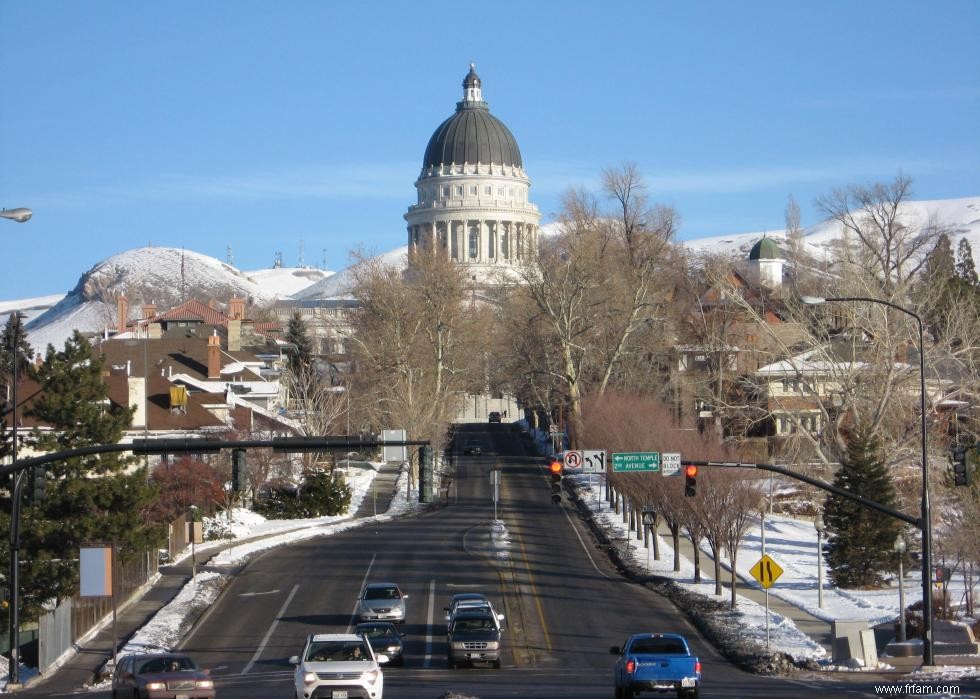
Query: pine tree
13	343
940	265
859	546
298	335
88	499
965	269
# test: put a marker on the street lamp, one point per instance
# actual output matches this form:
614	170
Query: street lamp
15	494
19	215
925	518
900	550
819	526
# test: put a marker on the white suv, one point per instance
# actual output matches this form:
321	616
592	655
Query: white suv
338	666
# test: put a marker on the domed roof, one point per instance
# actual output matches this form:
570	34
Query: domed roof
765	249
472	134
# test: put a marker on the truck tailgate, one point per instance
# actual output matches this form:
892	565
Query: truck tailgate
664	667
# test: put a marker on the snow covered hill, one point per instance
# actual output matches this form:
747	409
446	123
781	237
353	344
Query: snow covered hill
162	276
167	276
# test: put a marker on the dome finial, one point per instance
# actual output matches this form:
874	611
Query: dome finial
472	84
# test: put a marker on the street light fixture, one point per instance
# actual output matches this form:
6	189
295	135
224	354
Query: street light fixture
19	215
819	526
900	550
925	518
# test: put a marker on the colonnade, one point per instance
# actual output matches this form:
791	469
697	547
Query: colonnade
477	240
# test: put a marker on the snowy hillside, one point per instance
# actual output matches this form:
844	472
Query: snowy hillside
960	216
167	276
162	276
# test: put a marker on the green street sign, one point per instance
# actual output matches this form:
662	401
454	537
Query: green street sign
636	461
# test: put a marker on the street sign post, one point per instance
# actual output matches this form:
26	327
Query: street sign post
670	464
766	571
636	461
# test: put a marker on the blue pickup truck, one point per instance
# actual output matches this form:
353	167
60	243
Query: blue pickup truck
656	662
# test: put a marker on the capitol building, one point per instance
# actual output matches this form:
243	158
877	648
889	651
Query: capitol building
473	193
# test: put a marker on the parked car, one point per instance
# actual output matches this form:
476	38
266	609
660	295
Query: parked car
473	636
160	676
656	662
472	446
494	416
381	601
384	638
338	665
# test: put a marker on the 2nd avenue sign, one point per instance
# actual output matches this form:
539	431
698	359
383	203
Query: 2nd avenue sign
636	461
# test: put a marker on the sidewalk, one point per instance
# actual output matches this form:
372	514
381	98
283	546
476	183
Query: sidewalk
91	654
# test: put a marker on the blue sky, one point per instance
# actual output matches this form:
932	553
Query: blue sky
275	127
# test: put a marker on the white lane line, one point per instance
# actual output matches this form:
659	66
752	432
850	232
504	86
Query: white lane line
585	548
367	574
268	634
430	627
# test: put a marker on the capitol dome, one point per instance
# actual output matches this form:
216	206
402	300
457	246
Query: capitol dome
472	134
473	203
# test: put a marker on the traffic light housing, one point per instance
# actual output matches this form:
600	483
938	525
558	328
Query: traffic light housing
239	471
960	474
38	484
690	480
556	468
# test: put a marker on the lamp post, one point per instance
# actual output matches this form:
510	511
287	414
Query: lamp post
15	494
925	518
19	215
900	550
819	526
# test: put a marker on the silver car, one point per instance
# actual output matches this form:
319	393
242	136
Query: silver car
381	601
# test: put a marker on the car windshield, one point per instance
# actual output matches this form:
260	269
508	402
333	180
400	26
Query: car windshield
381	593
337	651
377	631
473	624
157	665
657	646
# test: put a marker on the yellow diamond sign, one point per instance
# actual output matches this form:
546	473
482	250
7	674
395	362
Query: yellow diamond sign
766	571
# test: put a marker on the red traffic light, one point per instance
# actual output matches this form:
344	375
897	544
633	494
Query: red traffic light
690	470
555	467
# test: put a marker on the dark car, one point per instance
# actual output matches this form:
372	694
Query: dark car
385	639
473	637
160	676
472	446
494	416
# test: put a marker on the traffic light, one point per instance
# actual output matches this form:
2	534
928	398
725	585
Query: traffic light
690	480
239	471
960	474
556	476
38	483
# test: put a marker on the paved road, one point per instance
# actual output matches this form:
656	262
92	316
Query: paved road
565	604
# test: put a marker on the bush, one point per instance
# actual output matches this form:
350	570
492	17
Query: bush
320	495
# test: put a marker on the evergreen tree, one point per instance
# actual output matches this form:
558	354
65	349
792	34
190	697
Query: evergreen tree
13	343
298	335
965	269
87	499
859	546
940	265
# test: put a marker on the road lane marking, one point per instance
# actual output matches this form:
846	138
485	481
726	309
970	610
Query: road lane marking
534	594
367	574
268	634
430	627
572	526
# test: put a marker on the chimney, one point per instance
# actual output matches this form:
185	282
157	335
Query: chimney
214	357
149	310
234	335
236	309
122	312
137	399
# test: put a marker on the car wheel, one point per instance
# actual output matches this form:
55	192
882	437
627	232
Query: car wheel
452	665
628	693
619	692
496	664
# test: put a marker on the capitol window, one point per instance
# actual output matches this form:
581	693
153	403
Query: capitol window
488	190
445	191
500	191
473	190
459	190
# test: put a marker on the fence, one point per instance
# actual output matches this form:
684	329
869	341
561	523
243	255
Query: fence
75	617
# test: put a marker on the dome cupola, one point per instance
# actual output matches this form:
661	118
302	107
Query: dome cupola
472	135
